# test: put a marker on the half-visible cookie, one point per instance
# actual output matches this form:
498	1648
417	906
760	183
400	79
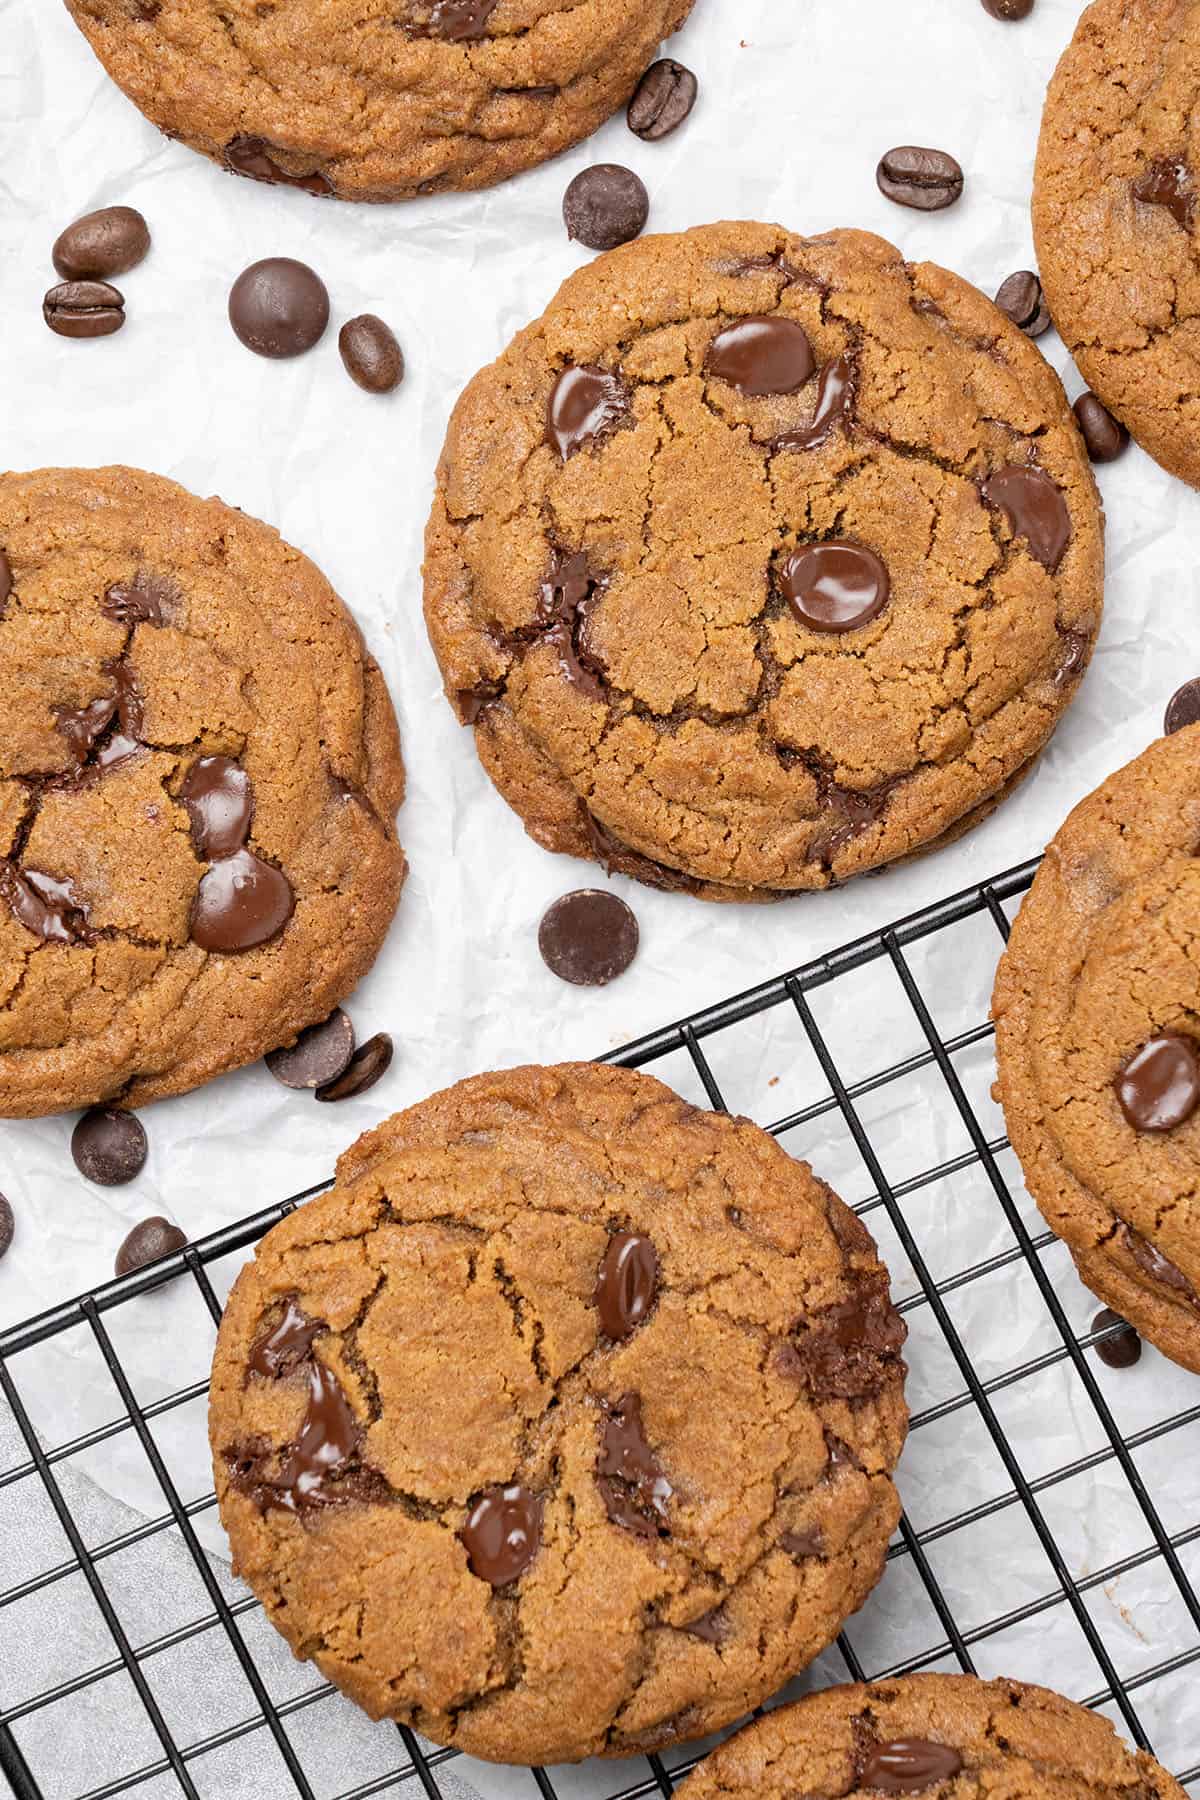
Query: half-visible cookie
564	1425
759	561
199	775
1097	1009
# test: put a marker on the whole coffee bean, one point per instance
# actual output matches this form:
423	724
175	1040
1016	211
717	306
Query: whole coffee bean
84	309
279	307
1021	298
1123	1348
318	1055
109	1147
1008	9
148	1241
362	1071
371	354
662	100
588	937
1183	708
927	180
1104	436
101	244
7	1226
604	206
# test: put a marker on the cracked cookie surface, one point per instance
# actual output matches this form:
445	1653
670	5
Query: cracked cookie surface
377	99
758	561
618	1399
962	1737
1116	212
199	775
1097	1010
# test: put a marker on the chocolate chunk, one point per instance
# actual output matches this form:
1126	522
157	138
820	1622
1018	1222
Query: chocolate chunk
101	244
362	1071
836	392
909	1766
1123	1348
711	1627
148	1241
1008	10
7	1226
143	601
1104	436
627	1285
1159	1086
84	309
588	937
568	595
252	156
459	21
502	1534
371	354
1074	653
279	307
761	355
109	1147
282	1349
241	902
1034	507
1167	183
83	726
1183	708
1021	299
800	1545
630	1477
837	586
662	100
313	1471
220	803
843	1352
6	581
604	206
45	904
318	1056
927	180
585	405
1152	1262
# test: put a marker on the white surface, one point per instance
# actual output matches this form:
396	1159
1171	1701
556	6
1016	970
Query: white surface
798	100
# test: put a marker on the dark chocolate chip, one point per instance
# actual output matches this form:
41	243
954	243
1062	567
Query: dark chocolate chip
1151	1260
1035	508
927	180
568	595
1168	184
800	1545
278	1351
837	586
836	392
84	309
1122	1348
761	355
362	1071
909	1766
6	580
662	100
1104	436
604	206
1008	10
45	904
241	902
143	601
1183	708
279	307
711	1627
1021	299
109	1146
252	156
101	244
632	1483
7	1226
627	1284
1159	1086
220	804
459	21
318	1056
585	405
502	1534
313	1472
148	1241
588	937
371	354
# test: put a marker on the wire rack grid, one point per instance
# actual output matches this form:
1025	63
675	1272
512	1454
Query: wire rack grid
984	1489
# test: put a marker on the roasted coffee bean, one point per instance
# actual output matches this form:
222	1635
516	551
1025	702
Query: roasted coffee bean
1021	298
604	206
84	309
1008	9
1104	436
148	1241
371	354
1183	708
109	1147
925	179
101	244
362	1071
662	100
318	1056
1123	1348
279	307
7	1226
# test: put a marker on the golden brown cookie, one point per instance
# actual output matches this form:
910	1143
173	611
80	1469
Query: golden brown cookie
759	561
564	1425
1097	1009
199	775
952	1735
1116	213
377	99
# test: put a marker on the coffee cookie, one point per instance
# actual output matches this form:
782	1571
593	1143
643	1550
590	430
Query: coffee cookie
1117	220
378	99
760	561
919	1733
564	1425
199	774
1097	1009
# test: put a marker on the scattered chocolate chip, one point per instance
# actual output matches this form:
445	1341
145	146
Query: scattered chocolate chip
84	309
101	244
279	307
588	937
371	354
45	904
1159	1086
604	206
241	902
318	1056
148	1241
1021	299
362	1071
632	1483
502	1534
909	1766
836	392
585	405
459	21
1123	1348
1104	436
761	355
1168	184
252	156
838	586
1008	10
109	1147
278	1351
627	1284
1183	708
1035	509
662	100
927	180
7	1226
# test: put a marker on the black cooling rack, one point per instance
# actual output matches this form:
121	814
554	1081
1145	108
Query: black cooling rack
930	1553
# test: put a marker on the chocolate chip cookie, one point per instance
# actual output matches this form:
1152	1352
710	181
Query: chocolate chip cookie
1097	1009
199	775
564	1425
1116	213
951	1733
759	561
377	99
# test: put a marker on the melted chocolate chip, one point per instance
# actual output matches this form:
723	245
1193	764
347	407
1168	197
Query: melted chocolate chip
834	406
278	1351
45	904
1167	183
313	1470
632	1484
6	581
143	601
1123	1347
1159	1086
1152	1262
586	404
366	1066
800	1545
761	354
568	594
1072	657
252	156
909	1766
502	1534
1183	708
845	1351
627	1285
109	1146
459	21
220	804
588	937
1035	509
318	1056
241	902
711	1627
83	725
837	586
149	1240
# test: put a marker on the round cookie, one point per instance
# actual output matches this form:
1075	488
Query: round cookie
952	1734
199	775
1116	214
1097	1010
564	1424
378	99
760	561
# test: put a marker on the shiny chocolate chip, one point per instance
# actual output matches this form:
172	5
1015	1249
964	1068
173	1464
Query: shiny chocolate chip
604	206
1035	508
586	404
279	307
631	1480
46	905
109	1146
286	1345
313	1472
1183	708
761	354
1104	436
253	156
909	1766
371	354
84	309
146	600
363	1070
1158	1088
927	180
1168	183
7	1226
627	1284
220	804
836	392
502	1534
588	937
837	586
241	902
318	1056
101	244
458	21
148	1241
662	100
1122	1347
1021	299
1008	10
